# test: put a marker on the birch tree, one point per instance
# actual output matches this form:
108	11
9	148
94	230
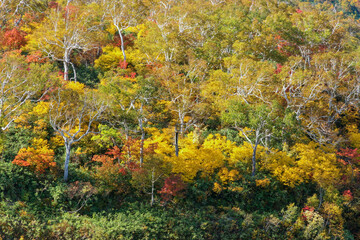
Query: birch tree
131	100
321	93
20	82
74	112
257	123
181	86
67	29
122	15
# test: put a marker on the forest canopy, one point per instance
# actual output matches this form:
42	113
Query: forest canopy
179	119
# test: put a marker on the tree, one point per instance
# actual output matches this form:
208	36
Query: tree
173	187
66	29
20	83
73	112
39	157
181	89
243	79
321	92
314	162
123	14
114	169
256	123
146	178
194	158
132	100
13	12
13	39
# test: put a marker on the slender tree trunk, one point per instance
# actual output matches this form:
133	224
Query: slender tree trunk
17	22
254	159
66	70
177	131
74	71
141	125
66	64
152	187
181	125
127	140
2	149
122	46
321	195
142	141
176	142
122	41
67	160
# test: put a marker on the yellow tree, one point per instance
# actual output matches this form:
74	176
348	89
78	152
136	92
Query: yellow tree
73	112
20	82
244	80
322	92
39	157
13	12
309	162
123	15
181	89
67	27
194	157
131	100
256	123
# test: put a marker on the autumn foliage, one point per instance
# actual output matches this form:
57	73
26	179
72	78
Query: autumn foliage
348	155
39	158
13	39
173	187
246	111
